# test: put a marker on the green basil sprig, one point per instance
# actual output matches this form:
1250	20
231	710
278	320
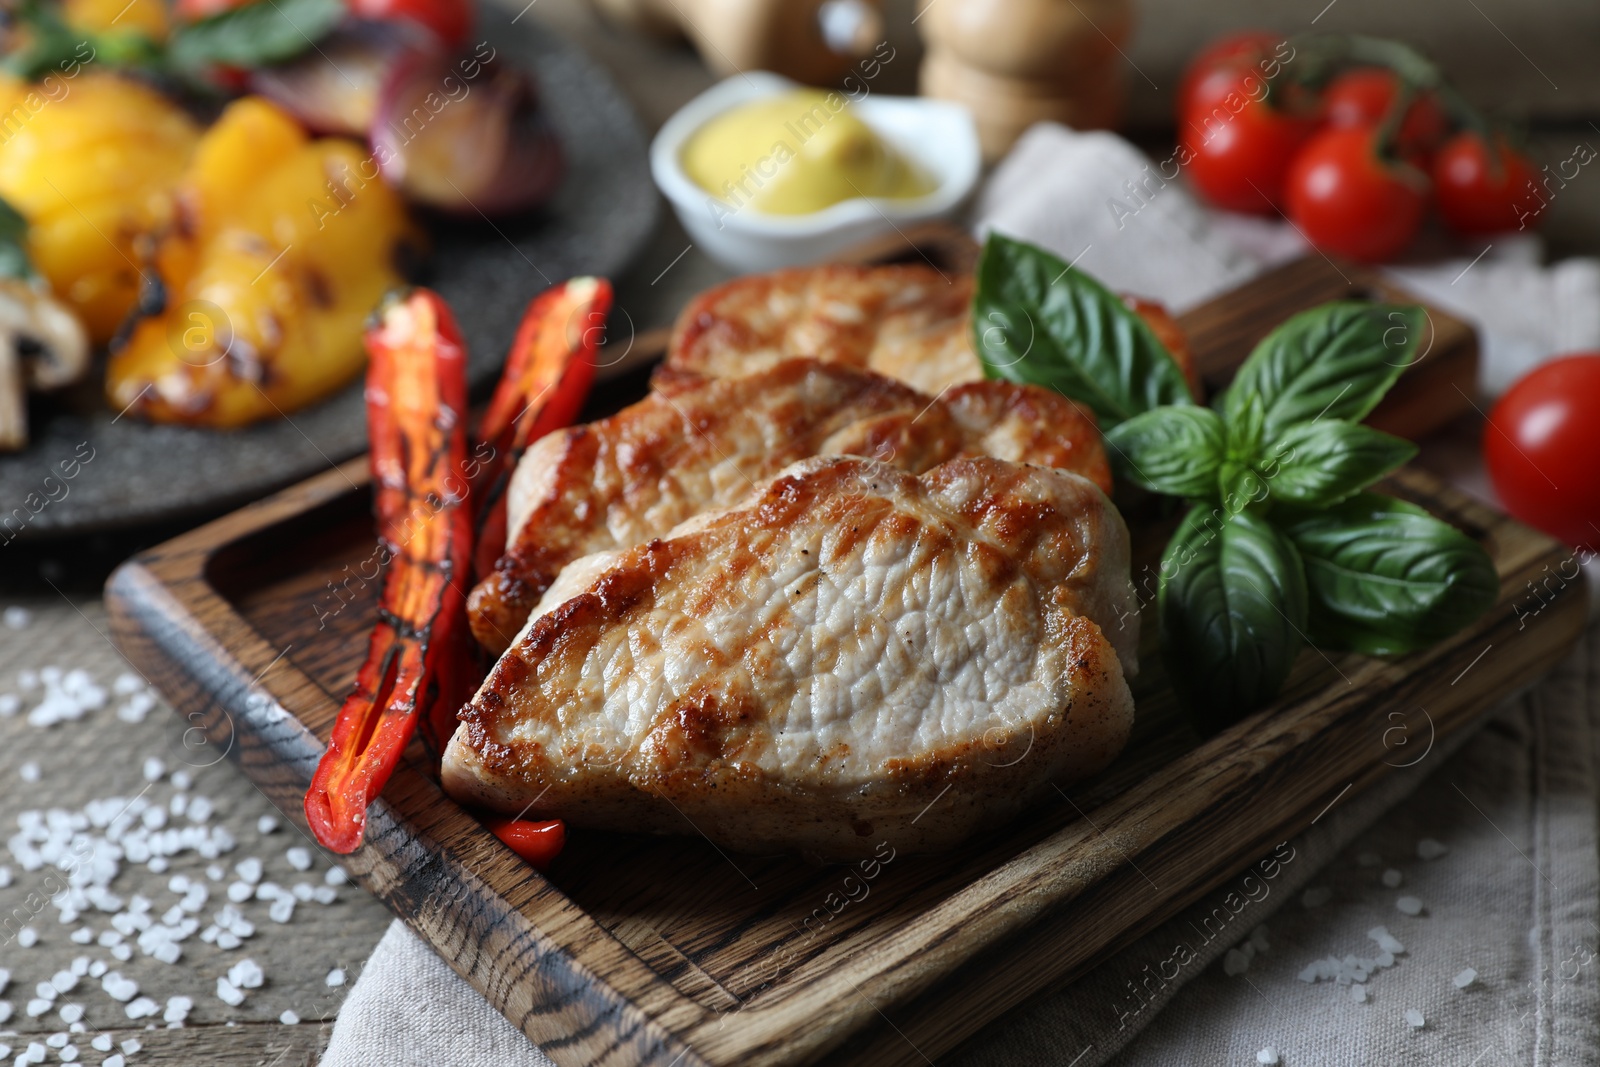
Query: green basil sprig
1387	577
1038	321
14	262
1233	609
255	35
1280	544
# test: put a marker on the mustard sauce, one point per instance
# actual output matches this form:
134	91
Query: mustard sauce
797	153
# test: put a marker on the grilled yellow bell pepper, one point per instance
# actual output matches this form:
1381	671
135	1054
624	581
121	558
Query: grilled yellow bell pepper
283	246
148	17
91	162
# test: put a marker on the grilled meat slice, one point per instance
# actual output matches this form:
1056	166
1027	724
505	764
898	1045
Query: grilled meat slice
852	655
909	322
696	444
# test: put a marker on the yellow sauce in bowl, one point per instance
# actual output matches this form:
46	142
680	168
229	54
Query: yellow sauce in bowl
797	153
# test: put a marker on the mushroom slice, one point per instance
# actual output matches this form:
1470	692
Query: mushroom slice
13	398
42	346
45	333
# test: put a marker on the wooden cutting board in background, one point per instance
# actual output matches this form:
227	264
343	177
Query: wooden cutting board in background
667	951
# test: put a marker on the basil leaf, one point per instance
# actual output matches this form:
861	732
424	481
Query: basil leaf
1386	577
258	34
1174	450
1233	607
1241	486
1332	362
14	261
1318	464
1037	321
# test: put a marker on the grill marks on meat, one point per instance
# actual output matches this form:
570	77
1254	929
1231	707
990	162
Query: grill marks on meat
813	668
697	444
906	321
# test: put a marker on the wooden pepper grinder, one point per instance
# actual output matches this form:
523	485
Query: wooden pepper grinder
811	41
1017	62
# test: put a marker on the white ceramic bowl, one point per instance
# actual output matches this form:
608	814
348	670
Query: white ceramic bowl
937	136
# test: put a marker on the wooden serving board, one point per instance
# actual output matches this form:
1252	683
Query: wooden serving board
668	951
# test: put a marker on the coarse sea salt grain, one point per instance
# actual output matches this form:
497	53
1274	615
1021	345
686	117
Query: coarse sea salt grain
114	1060
82	935
248	870
70	1013
1358	993
1235	962
29	771
246	974
336	977
1268	1056
1386	941
27	937
1414	1019
18	618
101	1043
5	1010
10	704
335	876
141	1008
182	779
1409	906
1392	878
1465	978
266	824
229	993
153	769
1429	849
131	1046
289	1018
37	1007
299	858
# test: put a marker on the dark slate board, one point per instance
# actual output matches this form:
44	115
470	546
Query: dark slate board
140	473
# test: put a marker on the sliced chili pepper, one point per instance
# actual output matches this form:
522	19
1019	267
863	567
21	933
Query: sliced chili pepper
546	379
416	417
537	842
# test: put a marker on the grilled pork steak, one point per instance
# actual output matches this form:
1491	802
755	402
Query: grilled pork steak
853	654
907	321
696	444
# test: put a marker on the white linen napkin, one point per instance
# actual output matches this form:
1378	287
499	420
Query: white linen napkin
1514	898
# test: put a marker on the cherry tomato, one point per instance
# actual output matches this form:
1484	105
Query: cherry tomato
1541	445
195	10
537	842
1480	195
1348	201
1218	62
1237	154
1363	97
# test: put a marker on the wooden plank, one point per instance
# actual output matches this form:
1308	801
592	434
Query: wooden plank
667	950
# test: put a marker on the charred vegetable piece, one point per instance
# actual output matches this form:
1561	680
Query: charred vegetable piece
546	379
258	297
466	137
538	842
93	164
416	413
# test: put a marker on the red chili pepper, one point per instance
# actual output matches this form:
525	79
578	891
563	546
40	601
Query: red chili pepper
545	382
537	842
416	417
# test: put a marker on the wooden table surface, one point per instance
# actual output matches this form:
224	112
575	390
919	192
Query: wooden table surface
102	756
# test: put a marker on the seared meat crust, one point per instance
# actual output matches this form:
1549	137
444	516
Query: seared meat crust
906	321
853	654
697	444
